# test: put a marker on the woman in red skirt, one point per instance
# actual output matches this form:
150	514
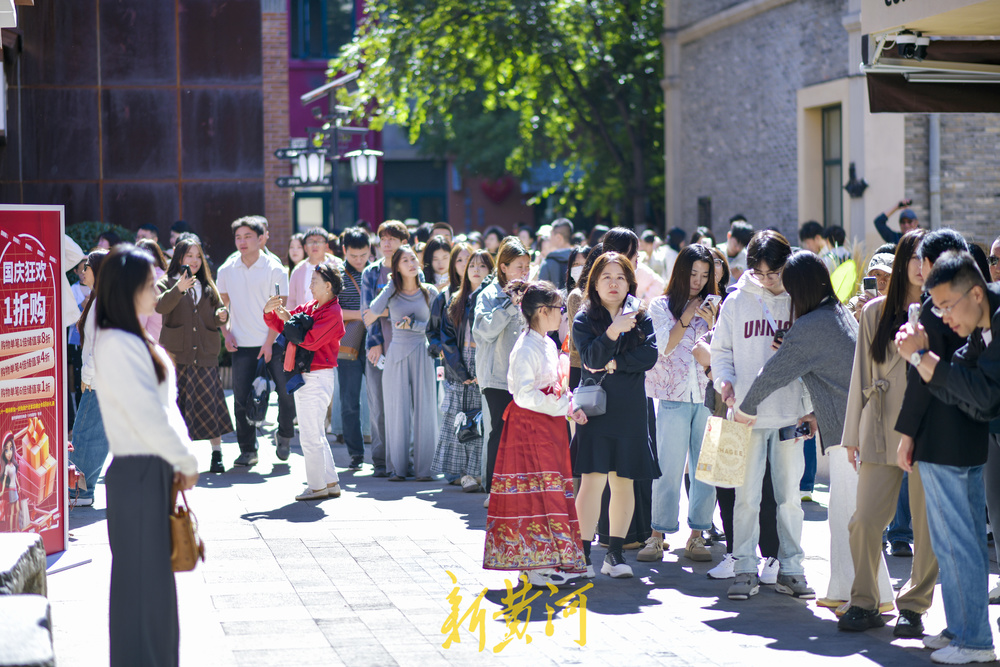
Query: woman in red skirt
531	525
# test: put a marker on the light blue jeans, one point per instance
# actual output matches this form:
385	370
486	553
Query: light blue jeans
787	464
90	444
956	514
680	427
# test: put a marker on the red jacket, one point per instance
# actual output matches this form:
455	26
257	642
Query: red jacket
324	337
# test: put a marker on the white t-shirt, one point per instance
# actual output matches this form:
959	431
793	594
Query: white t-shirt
249	288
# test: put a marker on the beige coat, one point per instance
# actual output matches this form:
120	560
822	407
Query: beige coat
876	394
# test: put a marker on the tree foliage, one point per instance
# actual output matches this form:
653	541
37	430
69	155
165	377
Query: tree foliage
507	84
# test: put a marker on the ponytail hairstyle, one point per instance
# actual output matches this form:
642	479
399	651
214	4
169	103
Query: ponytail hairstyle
457	307
535	296
125	271
94	260
397	277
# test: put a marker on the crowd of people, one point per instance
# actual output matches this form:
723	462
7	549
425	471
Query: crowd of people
571	379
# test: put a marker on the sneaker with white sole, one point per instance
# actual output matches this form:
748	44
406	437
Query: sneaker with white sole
615	566
954	655
747	584
542	578
309	494
333	490
469	484
995	594
652	552
938	641
486	503
724	570
81	502
696	550
769	573
794	585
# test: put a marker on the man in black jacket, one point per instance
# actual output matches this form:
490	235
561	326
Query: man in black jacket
950	436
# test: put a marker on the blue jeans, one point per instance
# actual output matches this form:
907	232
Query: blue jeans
808	481
787	464
90	443
680	427
901	528
351	374
956	514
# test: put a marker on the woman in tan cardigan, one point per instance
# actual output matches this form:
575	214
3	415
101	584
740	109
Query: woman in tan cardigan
192	313
878	383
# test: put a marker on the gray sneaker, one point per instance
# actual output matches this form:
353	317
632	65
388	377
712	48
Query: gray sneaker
284	447
794	585
746	585
246	459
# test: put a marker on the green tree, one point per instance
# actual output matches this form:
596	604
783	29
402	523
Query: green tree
576	82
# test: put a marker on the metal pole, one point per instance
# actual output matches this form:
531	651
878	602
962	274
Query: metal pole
934	168
335	192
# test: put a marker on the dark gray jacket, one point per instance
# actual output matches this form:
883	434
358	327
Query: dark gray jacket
819	348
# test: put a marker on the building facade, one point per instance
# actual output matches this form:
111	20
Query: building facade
767	110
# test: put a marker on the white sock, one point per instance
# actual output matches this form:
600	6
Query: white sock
217	448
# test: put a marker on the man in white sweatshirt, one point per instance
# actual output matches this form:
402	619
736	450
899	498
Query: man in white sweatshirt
741	346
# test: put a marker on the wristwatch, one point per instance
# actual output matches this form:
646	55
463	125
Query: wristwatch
916	357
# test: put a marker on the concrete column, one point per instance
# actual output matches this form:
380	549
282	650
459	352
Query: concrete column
274	70
671	113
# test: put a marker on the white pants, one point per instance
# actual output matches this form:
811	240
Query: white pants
311	403
843	503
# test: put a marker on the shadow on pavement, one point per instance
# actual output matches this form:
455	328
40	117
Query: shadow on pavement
296	512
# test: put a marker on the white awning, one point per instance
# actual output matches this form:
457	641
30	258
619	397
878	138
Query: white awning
931	17
8	14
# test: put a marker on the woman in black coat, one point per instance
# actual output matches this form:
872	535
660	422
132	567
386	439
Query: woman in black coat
615	338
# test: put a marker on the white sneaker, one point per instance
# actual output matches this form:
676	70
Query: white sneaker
769	573
724	570
552	576
995	594
615	566
953	655
938	641
469	483
590	572
81	502
486	503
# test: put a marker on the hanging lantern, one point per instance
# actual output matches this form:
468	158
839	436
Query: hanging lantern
364	165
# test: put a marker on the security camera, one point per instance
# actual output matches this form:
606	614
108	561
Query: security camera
921	50
906	44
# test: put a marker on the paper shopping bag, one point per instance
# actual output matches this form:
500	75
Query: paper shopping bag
722	461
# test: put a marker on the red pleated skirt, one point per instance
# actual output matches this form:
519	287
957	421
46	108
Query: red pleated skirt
531	523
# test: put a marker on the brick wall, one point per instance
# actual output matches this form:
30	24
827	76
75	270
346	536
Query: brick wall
277	201
970	172
738	117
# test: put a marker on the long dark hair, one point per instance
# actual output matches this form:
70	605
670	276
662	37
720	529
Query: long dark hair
621	240
807	281
726	275
397	277
600	318
457	307
454	278
577	251
124	272
300	237
154	249
894	309
436	243
592	256
94	260
678	291
204	276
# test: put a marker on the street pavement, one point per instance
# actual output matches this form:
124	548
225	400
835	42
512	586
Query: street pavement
364	580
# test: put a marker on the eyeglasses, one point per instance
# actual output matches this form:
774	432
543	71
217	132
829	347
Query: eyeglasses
993	260
718	262
941	312
561	308
770	275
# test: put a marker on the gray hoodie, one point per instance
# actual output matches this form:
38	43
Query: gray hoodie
497	324
741	346
554	267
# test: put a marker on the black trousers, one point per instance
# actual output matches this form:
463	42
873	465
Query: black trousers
143	605
498	400
767	519
244	372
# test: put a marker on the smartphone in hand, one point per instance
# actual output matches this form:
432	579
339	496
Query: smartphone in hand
870	285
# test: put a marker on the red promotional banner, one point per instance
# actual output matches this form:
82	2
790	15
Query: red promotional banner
33	452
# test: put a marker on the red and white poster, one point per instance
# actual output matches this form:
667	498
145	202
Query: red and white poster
33	452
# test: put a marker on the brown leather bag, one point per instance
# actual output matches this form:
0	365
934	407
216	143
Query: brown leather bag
186	546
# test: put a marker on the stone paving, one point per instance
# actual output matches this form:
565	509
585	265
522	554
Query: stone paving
363	580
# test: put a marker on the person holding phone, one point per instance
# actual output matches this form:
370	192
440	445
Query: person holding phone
741	346
818	347
193	313
680	317
617	345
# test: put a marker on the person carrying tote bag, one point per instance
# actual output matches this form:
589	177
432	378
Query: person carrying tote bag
136	385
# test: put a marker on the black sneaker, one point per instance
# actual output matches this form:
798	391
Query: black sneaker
857	619
908	625
902	550
615	566
356	463
246	459
217	465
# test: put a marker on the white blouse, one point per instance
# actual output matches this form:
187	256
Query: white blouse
140	415
534	366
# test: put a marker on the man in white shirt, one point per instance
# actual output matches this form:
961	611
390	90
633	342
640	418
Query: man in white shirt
246	281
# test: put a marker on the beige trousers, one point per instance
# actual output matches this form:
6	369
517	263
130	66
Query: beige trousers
878	491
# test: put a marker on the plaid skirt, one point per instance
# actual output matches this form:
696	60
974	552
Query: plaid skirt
451	456
202	402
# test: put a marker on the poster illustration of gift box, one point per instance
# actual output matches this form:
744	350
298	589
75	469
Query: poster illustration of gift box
33	425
